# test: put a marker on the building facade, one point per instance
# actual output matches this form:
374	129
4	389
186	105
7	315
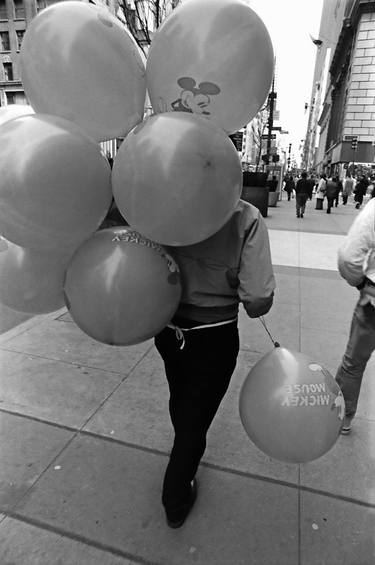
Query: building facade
15	16
348	111
329	31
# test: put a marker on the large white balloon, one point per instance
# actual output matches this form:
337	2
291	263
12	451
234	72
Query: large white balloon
55	183
14	111
121	288
214	58
32	280
78	62
177	178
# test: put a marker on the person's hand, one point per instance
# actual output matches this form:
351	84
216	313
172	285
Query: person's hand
258	307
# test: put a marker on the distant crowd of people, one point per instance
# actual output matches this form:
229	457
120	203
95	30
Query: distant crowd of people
327	188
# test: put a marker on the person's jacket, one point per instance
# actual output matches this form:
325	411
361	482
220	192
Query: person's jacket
232	266
289	185
348	186
332	189
320	193
303	186
356	255
361	187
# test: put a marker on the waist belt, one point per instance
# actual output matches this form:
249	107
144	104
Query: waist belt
180	331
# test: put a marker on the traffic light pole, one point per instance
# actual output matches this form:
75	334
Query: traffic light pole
354	147
271	97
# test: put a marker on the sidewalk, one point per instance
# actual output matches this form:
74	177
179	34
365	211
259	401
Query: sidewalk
85	436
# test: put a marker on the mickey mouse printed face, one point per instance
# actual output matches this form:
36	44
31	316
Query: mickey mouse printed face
213	58
194	98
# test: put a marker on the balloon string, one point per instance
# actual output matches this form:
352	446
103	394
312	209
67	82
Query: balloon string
275	343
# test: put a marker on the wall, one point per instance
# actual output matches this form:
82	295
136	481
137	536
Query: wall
360	107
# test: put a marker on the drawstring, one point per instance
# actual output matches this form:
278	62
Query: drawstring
275	343
180	331
179	335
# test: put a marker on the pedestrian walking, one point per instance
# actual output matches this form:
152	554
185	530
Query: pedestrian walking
339	190
371	187
289	186
356	263
321	191
347	188
200	346
331	192
360	191
303	189
312	183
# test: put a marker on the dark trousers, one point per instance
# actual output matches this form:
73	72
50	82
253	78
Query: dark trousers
198	377
301	199
330	201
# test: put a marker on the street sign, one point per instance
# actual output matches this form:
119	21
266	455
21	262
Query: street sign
276	128
272	136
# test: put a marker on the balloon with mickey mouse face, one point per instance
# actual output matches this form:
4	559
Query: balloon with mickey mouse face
219	62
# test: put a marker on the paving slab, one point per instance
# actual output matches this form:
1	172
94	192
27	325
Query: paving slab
282	322
56	391
327	304
10	318
64	341
336	532
327	347
111	493
283	217
347	470
137	414
287	284
26	544
27	447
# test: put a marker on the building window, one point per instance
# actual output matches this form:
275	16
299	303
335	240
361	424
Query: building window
20	33
3	10
8	71
19	10
4	41
16	97
41	4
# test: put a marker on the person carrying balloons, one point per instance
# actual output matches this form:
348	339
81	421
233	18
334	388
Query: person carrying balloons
356	263
201	344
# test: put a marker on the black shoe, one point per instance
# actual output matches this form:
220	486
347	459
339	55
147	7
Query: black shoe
301	215
176	518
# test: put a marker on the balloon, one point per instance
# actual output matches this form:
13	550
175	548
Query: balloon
121	288
77	61
291	407
55	184
14	111
30	280
213	58
177	178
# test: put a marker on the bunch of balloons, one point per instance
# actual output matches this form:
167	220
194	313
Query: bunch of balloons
176	178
